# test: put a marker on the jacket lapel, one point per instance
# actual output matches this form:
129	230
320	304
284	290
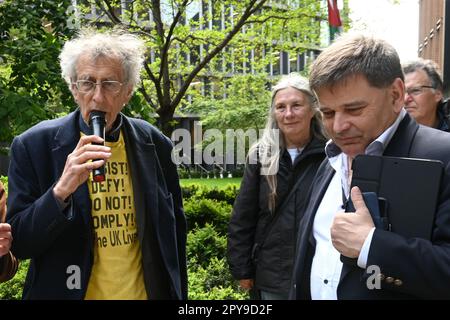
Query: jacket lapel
143	175
320	185
65	141
401	143
399	146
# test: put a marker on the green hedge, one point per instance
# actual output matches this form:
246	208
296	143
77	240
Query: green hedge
227	194
200	212
4	180
12	289
203	244
213	282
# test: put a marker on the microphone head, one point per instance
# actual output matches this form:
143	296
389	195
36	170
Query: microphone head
96	115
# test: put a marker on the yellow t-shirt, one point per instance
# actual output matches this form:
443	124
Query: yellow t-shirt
117	271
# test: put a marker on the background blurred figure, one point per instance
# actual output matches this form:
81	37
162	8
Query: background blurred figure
263	226
424	98
8	263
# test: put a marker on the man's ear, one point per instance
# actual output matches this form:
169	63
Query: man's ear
438	95
129	92
398	94
74	91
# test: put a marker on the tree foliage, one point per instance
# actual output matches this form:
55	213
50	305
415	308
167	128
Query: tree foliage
183	47
31	89
246	104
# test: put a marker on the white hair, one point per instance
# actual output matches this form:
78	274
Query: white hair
114	43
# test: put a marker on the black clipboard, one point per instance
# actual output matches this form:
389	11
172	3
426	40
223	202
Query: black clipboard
410	187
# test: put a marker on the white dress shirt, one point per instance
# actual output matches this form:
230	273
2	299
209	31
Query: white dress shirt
326	266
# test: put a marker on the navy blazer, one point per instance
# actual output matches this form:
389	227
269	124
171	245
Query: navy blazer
421	267
55	240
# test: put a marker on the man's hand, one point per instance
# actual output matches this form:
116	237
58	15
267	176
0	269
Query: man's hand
78	167
246	284
349	230
5	238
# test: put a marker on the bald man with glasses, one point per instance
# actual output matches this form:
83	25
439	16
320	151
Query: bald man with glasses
424	99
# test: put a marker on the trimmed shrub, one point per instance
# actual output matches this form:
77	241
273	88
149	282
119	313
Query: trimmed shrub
12	289
203	244
213	282
189	191
200	212
227	194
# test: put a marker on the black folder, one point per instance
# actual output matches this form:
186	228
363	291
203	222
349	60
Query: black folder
410	187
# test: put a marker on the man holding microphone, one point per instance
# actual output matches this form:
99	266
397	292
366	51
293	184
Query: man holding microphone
119	233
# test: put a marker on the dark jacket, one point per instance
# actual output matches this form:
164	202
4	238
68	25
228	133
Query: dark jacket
8	263
55	239
269	261
421	266
443	114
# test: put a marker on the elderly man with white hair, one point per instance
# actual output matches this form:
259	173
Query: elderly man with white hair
121	238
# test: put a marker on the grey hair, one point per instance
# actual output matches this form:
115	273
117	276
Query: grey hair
266	148
113	43
356	54
429	67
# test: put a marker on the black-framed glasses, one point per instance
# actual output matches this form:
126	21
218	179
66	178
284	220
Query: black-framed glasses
88	86
415	91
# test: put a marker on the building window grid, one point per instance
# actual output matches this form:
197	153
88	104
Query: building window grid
210	13
283	63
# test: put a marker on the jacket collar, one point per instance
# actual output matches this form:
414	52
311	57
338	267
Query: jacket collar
314	147
400	146
402	140
111	136
138	142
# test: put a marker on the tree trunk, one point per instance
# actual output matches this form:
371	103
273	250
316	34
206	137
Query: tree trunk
165	121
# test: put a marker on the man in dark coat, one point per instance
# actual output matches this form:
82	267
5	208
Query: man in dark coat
123	238
359	84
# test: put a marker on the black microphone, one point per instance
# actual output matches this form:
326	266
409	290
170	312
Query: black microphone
97	122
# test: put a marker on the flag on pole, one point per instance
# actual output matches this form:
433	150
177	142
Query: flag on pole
334	19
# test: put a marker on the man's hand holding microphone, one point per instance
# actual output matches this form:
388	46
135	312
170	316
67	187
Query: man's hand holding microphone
89	155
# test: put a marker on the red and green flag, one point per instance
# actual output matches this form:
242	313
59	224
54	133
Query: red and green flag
334	19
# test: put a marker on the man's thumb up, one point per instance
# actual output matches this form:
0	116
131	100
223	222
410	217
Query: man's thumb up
358	202
349	230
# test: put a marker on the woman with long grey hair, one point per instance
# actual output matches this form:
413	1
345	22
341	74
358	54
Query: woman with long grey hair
280	168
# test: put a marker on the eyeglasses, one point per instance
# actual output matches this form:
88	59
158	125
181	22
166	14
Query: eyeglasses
88	86
415	91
